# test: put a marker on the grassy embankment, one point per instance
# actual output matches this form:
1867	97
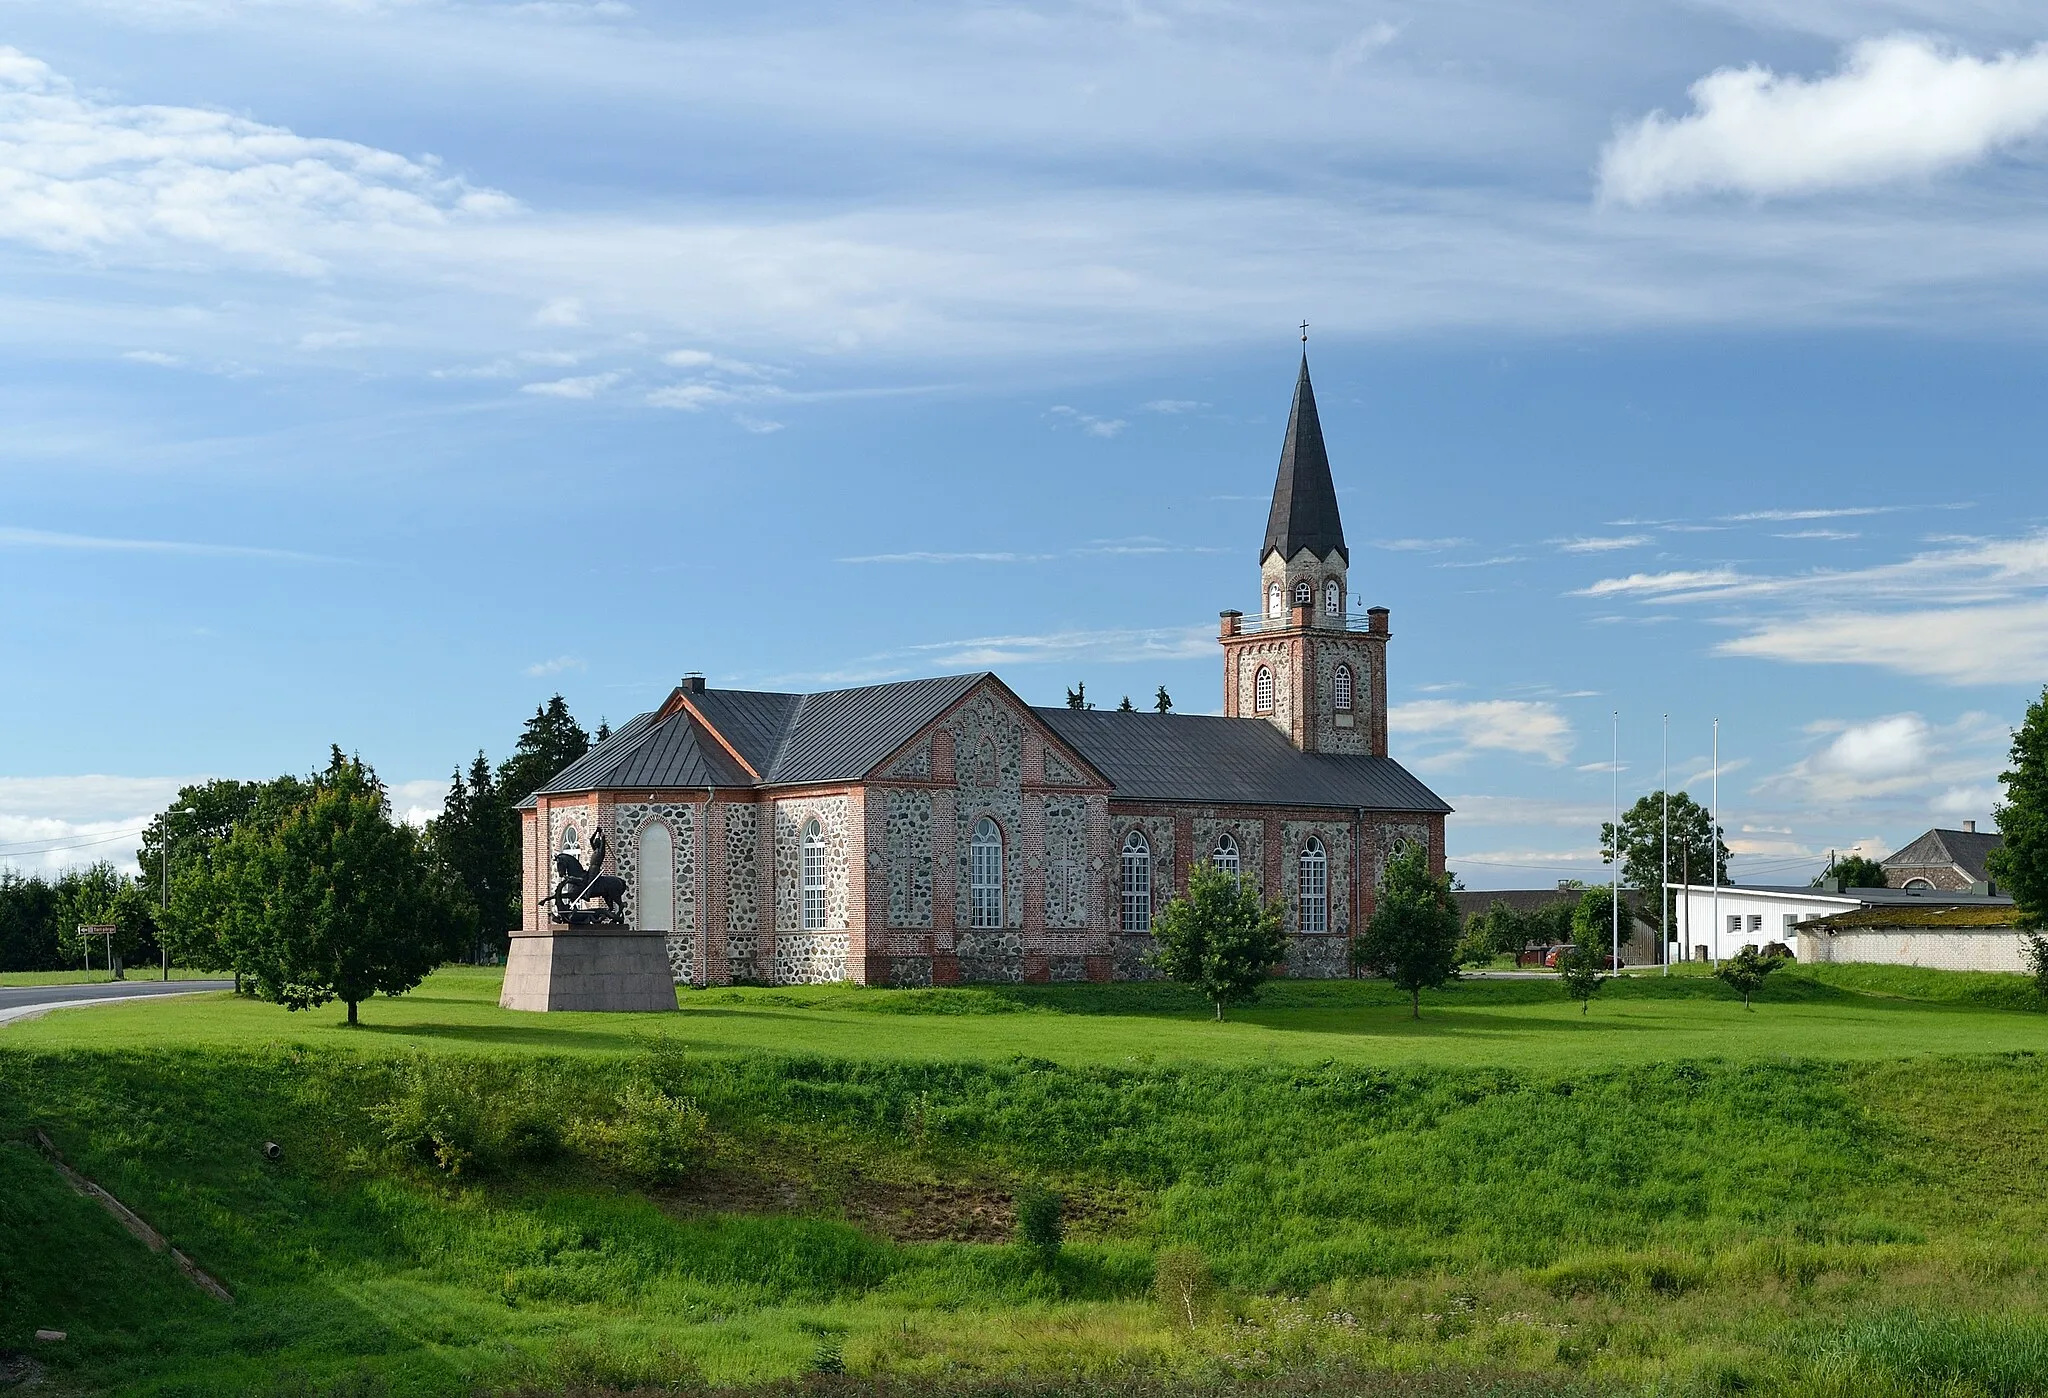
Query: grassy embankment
1663	1199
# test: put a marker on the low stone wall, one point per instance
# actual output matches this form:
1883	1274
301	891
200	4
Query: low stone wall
1972	949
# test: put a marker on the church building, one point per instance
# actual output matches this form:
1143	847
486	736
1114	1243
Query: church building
943	830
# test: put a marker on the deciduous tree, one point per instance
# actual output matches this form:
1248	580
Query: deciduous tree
1694	849
2020	863
1220	938
1412	939
1854	871
1746	971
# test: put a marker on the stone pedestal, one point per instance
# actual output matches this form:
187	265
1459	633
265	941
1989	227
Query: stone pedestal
588	968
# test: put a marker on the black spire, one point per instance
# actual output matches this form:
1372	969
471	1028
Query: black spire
1304	497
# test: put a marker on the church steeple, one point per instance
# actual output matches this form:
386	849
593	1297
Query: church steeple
1304	514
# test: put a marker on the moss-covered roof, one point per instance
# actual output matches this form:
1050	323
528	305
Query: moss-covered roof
1941	915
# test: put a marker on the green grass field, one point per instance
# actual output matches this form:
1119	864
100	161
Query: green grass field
97	977
1841	1193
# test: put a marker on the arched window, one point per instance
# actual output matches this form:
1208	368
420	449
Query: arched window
1313	887
572	843
1919	886
1262	690
1333	598
1304	594
1137	884
985	874
1224	858
654	899
1273	607
812	876
1341	689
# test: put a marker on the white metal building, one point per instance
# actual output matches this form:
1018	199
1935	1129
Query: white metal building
1710	925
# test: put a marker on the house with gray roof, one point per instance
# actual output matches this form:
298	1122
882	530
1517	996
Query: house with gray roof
1944	861
942	830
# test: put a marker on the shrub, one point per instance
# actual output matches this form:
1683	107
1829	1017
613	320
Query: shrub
1183	1284
467	1115
2035	951
650	1136
1038	1222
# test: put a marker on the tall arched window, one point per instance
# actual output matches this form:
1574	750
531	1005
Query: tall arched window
1304	594
1137	883
1313	887
572	843
812	876
1262	690
654	899
1273	607
1333	598
985	874
1224	858
1341	689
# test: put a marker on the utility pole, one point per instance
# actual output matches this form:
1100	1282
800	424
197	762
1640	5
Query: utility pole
1714	843
1614	804
164	896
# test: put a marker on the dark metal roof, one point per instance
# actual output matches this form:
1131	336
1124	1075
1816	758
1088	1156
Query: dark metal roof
753	721
1238	761
646	753
840	735
1965	849
1304	514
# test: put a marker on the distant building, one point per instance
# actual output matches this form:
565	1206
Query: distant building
1942	933
1947	861
941	830
1639	936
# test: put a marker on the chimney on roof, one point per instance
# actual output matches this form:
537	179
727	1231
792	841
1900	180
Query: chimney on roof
1969	827
693	682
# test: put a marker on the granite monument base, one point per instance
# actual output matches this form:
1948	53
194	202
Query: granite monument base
588	968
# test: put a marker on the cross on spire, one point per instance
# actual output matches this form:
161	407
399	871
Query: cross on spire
1304	332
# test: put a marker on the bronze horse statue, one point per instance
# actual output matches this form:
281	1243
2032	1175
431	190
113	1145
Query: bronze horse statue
574	886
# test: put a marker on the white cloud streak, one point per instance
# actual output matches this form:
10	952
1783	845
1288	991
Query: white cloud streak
11	537
1529	728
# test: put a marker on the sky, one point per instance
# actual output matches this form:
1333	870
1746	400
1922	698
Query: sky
371	370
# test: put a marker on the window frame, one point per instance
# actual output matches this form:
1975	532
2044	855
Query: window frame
1304	593
811	876
1134	883
1276	597
1312	904
1263	690
1333	598
1227	842
985	875
1343	690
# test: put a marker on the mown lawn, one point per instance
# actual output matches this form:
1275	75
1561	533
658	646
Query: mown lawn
1878	1013
1668	1196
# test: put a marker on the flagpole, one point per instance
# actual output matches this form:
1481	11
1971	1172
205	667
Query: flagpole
1664	883
1714	847
1614	802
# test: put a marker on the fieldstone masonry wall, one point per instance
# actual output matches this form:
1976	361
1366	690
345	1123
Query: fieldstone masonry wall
629	819
832	814
907	856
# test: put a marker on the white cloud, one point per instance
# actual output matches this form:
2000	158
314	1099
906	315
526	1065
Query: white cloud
1531	728
1996	644
563	312
691	397
1172	406
1147	643
1419	545
156	357
583	386
1902	761
160	184
1657	584
927	557
1900	107
1602	545
541	669
760	426
1088	422
1839	512
11	537
1828	534
417	802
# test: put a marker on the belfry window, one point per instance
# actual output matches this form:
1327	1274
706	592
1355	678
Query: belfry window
1137	884
1262	690
1304	594
1341	689
1273	607
1313	887
1224	859
985	874
1333	599
812	869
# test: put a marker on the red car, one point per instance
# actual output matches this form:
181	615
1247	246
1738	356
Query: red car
1551	955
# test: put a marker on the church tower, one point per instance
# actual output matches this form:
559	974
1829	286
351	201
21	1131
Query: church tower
1303	661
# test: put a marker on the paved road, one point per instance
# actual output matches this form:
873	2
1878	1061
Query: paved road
20	1001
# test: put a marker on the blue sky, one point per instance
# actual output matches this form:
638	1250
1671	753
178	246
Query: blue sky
374	368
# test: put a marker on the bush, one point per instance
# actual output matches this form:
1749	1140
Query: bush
650	1136
466	1116
2034	948
1183	1285
1038	1221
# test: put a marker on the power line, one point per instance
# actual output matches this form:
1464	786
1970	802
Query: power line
11	851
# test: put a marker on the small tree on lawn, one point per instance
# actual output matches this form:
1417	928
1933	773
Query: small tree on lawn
1220	937
1412	939
337	901
1583	965
1746	971
2035	950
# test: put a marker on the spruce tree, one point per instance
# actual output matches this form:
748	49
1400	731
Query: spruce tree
476	838
550	741
1163	702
